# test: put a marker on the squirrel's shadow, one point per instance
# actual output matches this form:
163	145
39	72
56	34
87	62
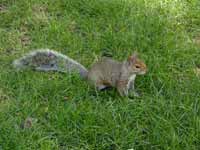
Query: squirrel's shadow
110	92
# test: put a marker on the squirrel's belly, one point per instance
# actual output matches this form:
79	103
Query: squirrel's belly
131	80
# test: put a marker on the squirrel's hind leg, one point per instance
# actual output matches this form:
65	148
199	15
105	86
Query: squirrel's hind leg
101	87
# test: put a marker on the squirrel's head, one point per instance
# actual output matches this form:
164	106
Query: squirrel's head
136	65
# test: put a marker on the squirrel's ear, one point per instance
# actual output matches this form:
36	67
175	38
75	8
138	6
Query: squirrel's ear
135	54
133	57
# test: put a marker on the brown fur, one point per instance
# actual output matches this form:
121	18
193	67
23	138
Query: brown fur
110	73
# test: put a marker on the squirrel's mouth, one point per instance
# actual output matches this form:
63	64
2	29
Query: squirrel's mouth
142	72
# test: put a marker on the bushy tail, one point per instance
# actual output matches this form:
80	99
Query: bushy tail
49	60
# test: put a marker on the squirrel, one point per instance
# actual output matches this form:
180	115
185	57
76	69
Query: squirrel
105	73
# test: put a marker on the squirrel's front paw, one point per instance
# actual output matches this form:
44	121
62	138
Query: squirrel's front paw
134	94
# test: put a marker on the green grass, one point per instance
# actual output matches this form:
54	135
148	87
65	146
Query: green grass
72	115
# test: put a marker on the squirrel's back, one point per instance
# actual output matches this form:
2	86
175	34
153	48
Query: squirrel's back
105	70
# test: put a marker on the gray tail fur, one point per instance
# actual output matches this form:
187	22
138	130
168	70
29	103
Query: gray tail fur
49	60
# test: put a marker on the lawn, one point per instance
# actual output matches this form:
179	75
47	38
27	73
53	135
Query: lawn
52	111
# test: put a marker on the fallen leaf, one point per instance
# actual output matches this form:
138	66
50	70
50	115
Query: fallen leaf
66	98
25	40
3	8
197	71
197	40
28	123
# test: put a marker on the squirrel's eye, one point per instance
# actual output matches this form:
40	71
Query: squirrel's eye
137	66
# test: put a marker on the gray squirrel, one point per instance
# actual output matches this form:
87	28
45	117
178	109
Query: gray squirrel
106	72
